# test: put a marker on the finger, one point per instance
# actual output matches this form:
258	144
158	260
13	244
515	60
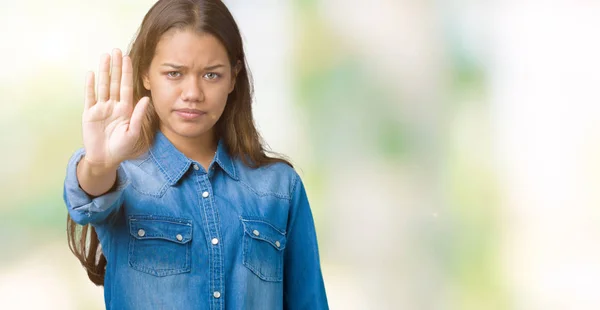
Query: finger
90	93
137	117
115	74
103	75
127	81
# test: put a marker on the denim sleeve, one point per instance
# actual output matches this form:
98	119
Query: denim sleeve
303	280
85	209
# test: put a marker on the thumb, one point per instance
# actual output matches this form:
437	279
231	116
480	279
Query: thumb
135	124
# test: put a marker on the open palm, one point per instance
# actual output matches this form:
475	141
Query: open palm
111	123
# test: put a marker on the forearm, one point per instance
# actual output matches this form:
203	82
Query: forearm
85	207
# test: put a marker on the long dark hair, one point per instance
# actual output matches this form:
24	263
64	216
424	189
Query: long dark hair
235	127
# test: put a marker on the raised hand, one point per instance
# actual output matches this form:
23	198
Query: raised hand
111	123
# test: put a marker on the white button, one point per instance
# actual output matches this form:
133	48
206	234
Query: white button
205	194
215	241
277	244
255	232
196	167
179	237
217	294
141	233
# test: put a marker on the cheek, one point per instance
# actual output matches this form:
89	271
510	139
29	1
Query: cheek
216	97
163	94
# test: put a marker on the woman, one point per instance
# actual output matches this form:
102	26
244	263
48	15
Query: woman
184	208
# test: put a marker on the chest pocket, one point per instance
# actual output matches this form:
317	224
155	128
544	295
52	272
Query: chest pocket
160	245
263	249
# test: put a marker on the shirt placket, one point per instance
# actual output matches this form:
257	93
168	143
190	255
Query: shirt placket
211	229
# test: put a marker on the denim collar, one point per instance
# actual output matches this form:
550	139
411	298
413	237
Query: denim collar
174	164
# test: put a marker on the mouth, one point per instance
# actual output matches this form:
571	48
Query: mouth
189	114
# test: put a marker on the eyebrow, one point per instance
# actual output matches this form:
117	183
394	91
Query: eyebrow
178	67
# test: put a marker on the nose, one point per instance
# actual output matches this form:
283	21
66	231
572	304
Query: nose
192	91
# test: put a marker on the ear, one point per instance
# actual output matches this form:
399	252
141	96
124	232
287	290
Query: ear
146	81
236	70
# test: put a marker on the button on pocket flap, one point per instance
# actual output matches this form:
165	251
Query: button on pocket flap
166	228
262	230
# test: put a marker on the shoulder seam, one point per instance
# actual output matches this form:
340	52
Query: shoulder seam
294	184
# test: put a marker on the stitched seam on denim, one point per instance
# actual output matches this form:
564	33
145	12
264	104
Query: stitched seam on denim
160	273
277	195
161	270
162	237
188	255
291	207
160	193
143	161
294	184
182	269
261	275
163	188
257	220
161	218
158	236
215	248
233	173
180	174
220	246
207	231
130	256
163	170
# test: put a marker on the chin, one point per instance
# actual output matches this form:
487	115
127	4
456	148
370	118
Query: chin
191	132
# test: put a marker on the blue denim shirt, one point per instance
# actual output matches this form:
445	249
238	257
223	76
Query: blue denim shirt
178	237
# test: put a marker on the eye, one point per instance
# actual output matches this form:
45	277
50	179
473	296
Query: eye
174	74
212	76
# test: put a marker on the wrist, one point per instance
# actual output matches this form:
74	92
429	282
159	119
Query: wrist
97	168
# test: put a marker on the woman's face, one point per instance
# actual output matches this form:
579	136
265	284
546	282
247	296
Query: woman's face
189	79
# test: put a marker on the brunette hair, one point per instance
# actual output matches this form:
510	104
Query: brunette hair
235	127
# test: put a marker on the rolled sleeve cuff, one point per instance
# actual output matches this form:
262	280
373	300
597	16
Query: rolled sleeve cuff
84	208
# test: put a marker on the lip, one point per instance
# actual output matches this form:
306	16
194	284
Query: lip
189	113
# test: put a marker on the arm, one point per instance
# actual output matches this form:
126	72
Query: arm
303	282
95	179
111	125
85	207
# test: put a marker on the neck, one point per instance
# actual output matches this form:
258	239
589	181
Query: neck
201	149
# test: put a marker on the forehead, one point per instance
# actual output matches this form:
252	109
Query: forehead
188	47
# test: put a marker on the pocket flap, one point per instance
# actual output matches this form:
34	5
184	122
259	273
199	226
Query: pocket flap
261	230
160	227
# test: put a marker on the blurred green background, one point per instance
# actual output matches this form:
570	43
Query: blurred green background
449	148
